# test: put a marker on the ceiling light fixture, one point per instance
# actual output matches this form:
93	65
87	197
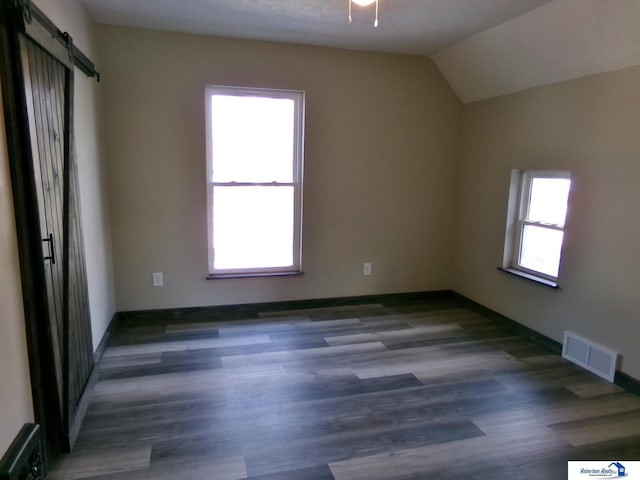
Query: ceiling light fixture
364	3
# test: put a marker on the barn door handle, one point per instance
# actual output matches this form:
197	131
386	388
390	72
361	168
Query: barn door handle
52	252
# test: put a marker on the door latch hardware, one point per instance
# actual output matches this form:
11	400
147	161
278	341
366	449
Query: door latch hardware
52	252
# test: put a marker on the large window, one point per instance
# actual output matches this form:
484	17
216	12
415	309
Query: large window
254	175
535	229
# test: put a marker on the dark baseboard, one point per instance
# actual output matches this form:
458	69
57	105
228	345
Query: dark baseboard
83	403
253	308
628	383
621	379
537	337
24	458
102	346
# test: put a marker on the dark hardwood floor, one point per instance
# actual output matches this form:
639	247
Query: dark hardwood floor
417	390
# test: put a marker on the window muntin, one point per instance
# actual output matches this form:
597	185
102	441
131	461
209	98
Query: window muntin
539	233
254	167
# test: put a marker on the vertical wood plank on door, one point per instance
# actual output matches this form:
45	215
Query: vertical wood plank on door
80	355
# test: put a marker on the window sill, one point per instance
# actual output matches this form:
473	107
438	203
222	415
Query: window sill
528	276
218	276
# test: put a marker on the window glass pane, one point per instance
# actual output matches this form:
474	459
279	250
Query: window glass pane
252	139
253	227
548	202
540	250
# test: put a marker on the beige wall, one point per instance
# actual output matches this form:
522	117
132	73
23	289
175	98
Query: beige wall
15	386
381	142
590	127
71	16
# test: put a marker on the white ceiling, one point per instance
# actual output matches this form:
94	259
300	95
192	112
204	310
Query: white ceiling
406	26
483	47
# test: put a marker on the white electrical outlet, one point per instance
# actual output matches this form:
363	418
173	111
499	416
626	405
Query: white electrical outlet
158	279
366	268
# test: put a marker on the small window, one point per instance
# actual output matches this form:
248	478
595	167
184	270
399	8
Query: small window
254	171
536	223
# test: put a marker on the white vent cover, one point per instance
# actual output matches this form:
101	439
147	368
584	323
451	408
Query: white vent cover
596	359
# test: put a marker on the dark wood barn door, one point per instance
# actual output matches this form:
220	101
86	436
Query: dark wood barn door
49	99
37	67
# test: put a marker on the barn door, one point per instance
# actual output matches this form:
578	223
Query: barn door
48	86
37	68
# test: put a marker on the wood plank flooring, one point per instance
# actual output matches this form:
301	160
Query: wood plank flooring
418	390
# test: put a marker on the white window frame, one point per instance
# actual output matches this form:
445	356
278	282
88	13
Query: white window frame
298	98
520	196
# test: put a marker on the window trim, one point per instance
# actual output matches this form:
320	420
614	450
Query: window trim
519	199
298	97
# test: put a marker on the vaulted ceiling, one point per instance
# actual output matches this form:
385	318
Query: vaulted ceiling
483	47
